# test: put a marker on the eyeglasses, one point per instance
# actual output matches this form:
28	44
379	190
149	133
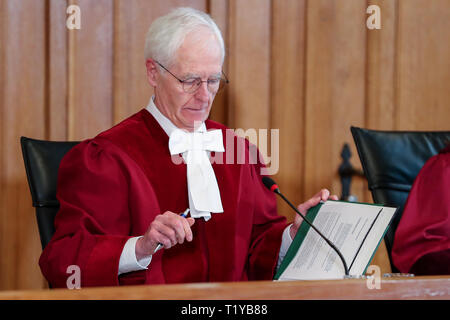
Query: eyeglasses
193	84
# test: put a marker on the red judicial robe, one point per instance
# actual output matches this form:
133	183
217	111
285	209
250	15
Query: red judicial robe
111	187
422	239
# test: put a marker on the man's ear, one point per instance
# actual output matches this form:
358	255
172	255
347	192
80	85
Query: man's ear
152	72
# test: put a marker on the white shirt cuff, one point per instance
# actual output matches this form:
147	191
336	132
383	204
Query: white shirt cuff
128	261
286	242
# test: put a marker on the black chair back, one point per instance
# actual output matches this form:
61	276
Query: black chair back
42	160
391	161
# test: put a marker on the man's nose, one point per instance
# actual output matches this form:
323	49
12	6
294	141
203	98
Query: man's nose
203	92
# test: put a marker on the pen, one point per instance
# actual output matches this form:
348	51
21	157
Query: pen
184	215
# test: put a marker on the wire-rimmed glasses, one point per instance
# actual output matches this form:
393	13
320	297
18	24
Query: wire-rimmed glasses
191	85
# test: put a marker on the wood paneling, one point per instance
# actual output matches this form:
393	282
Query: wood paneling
288	96
423	64
23	113
218	10
56	65
335	91
249	48
309	68
91	69
380	77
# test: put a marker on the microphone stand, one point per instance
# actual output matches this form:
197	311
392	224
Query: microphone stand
277	191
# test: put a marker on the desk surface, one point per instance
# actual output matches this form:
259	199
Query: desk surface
432	287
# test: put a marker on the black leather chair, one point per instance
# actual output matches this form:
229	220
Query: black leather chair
391	160
42	160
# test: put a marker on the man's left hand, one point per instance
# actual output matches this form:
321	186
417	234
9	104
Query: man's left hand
322	195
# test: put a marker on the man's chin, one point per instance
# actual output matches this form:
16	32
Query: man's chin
198	122
198	118
192	124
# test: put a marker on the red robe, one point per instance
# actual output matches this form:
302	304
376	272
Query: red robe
422	238
111	187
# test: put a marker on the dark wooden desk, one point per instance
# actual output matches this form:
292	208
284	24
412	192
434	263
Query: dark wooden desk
435	287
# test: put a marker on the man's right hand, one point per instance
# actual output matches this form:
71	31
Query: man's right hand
168	229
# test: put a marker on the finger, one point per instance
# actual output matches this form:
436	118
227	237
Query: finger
191	221
166	231
177	223
334	197
174	222
181	226
298	220
303	208
149	242
155	237
188	222
165	241
324	194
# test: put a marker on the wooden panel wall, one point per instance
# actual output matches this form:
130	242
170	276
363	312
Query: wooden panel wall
23	112
288	95
309	68
423	64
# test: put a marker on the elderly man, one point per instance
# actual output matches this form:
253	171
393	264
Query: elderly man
122	192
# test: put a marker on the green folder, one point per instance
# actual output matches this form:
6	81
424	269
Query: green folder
304	229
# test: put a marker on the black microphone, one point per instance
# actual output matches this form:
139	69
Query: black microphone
272	186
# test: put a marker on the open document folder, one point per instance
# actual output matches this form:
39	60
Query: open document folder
356	229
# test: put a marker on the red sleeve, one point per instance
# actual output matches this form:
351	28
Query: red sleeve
93	222
425	225
268	227
433	263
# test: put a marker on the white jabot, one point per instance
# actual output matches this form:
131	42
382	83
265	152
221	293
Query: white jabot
204	195
203	191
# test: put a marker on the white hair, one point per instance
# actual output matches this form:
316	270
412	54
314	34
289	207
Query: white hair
167	33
